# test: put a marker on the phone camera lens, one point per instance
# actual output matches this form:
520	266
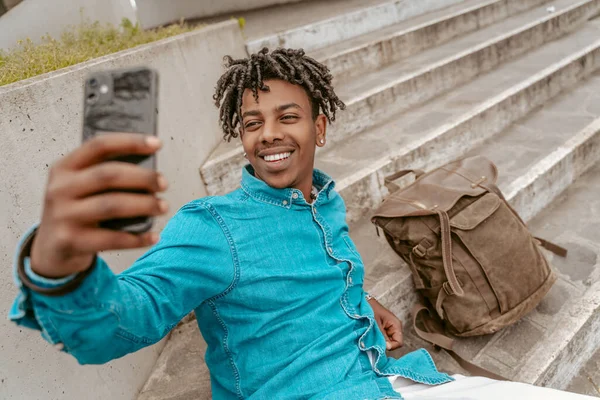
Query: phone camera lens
92	98
93	82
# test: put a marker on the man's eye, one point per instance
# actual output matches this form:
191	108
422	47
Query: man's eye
289	117
251	124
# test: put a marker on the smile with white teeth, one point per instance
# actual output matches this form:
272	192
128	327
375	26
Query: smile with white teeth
277	157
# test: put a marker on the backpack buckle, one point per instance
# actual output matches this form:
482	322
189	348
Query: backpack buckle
447	288
420	250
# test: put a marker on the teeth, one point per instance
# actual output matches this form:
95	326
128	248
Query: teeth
277	157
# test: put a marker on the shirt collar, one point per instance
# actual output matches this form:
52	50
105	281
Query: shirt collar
259	190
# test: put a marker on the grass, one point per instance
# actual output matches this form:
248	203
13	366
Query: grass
77	44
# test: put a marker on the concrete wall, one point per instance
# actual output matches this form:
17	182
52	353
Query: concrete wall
11	3
36	18
157	12
40	120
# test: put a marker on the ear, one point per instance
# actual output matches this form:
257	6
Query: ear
321	129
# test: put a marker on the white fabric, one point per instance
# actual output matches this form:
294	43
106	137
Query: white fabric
478	388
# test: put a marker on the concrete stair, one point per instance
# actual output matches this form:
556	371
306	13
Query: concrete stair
511	80
320	24
394	88
382	47
550	345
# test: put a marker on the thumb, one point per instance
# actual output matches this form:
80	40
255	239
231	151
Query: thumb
381	326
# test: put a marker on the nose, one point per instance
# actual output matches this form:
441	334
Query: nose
271	132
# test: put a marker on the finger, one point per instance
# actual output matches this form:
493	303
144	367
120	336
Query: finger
393	345
394	332
113	205
114	175
381	327
93	240
397	337
109	145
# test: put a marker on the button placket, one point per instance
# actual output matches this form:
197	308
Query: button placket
344	299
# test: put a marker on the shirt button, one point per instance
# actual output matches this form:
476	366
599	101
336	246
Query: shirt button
59	346
356	316
295	196
285	202
350	280
362	345
330	249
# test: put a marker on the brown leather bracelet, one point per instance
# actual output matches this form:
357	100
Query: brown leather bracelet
68	287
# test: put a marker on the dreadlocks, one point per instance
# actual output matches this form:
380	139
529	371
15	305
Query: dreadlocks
289	65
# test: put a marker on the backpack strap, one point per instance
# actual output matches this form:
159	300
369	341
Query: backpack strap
435	335
446	236
556	249
389	180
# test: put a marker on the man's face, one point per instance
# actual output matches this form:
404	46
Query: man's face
279	135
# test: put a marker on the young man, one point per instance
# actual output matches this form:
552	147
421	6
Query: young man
269	269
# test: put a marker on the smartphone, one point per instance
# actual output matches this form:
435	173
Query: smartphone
123	100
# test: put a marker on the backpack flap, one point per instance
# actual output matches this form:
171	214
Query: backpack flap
440	189
476	212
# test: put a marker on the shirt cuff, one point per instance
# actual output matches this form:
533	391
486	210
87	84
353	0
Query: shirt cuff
41	281
30	309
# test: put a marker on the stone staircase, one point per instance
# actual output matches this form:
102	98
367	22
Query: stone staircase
517	81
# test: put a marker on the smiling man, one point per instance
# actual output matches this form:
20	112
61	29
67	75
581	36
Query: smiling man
269	269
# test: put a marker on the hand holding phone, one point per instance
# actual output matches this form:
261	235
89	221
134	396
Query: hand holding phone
103	195
85	188
124	100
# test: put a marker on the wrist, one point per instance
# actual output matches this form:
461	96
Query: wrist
52	285
54	267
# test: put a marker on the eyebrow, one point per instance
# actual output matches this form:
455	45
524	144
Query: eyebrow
288	106
280	108
251	113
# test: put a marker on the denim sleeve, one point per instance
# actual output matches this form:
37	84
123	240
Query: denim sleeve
111	315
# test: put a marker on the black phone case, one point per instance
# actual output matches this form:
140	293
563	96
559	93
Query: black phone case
124	100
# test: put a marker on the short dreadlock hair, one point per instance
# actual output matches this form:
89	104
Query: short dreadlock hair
289	65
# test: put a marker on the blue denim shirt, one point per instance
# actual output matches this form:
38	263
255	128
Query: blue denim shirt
277	287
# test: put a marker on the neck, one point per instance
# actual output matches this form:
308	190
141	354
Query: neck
306	189
305	186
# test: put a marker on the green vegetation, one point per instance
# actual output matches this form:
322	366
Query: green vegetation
77	44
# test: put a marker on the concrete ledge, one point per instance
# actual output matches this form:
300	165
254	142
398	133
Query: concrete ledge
346	26
152	13
36	18
40	120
